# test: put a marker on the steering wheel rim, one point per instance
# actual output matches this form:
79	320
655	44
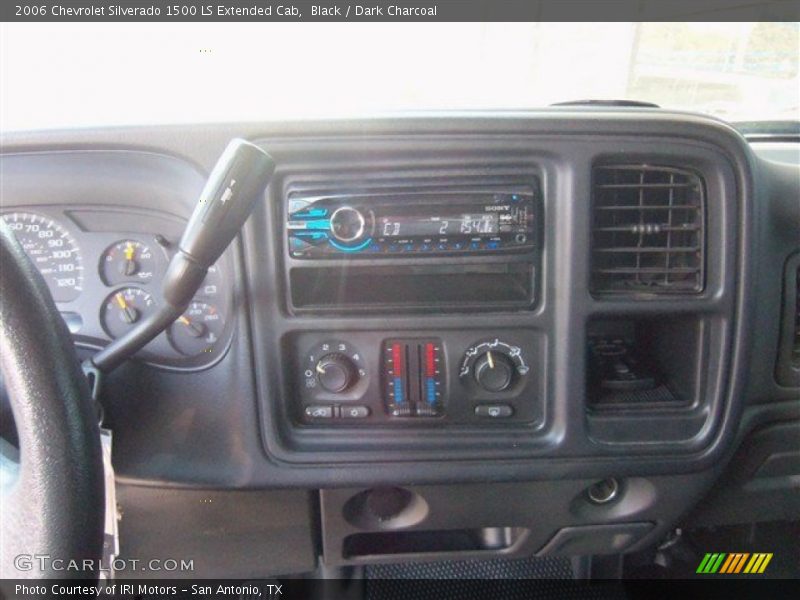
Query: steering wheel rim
51	490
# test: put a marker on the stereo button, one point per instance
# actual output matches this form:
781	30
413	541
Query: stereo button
347	224
298	245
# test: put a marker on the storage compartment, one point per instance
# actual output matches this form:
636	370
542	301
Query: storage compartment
504	519
453	286
646	363
428	542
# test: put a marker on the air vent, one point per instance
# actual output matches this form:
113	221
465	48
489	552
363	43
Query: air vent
788	366
647	230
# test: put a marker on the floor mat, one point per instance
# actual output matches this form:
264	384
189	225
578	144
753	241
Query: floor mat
497	568
507	579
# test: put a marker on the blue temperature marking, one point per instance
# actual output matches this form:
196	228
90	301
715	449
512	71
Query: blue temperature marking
431	389
361	246
398	390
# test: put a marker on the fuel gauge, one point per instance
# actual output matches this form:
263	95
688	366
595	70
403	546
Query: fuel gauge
196	330
127	261
125	308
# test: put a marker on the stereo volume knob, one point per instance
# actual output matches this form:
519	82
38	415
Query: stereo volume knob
336	372
347	224
494	371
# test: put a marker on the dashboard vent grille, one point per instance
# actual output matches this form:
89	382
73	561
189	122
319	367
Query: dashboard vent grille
647	230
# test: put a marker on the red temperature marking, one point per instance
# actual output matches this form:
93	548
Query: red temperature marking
430	360
397	359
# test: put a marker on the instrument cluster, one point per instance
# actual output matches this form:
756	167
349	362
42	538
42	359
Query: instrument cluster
106	282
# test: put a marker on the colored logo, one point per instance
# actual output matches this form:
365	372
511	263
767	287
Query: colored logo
734	563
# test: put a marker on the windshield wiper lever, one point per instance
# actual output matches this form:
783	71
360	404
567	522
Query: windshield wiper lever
236	182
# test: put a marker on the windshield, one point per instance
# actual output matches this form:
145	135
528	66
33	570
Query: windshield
79	75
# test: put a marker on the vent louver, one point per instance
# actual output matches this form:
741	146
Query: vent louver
647	230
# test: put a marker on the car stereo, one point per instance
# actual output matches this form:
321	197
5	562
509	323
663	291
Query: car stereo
385	224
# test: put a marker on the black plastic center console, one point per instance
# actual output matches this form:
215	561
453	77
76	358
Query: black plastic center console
565	295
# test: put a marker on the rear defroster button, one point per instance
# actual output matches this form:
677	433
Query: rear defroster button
354	412
494	411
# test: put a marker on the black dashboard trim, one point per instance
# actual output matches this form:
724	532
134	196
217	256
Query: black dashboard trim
199	146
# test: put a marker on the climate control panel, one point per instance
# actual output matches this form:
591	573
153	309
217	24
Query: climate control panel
414	381
451	377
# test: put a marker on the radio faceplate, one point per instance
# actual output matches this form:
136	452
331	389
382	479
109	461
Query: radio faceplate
441	222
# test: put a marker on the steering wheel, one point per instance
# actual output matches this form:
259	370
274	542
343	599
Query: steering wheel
51	486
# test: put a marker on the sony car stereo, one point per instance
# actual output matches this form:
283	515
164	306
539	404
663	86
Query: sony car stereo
450	221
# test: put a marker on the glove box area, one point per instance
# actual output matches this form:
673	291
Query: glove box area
472	521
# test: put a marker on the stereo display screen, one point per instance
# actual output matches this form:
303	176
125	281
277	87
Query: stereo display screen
464	224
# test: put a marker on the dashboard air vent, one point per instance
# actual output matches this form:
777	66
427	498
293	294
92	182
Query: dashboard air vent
788	365
647	230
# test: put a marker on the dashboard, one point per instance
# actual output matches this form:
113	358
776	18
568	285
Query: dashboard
583	311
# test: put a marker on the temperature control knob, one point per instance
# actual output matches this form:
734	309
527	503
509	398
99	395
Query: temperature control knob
493	366
494	371
347	224
336	372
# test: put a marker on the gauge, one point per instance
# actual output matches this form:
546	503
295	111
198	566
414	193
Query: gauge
127	261
53	250
495	366
196	330
125	308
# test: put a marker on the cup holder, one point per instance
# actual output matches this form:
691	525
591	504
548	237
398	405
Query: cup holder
385	508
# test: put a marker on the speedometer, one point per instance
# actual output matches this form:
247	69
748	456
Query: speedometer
53	250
